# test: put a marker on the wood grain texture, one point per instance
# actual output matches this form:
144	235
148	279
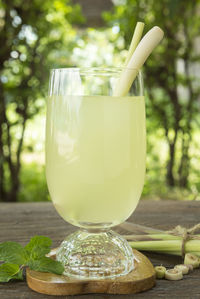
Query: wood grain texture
20	221
142	278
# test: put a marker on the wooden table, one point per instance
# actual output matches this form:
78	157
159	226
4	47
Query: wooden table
20	221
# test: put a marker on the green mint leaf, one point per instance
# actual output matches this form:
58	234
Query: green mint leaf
32	255
19	275
9	271
12	252
37	247
46	264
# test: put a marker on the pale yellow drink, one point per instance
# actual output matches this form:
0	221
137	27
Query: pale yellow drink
95	157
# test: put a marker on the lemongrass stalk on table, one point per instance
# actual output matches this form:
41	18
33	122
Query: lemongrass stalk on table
151	237
168	246
171	253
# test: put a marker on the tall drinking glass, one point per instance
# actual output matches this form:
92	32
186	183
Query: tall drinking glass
95	166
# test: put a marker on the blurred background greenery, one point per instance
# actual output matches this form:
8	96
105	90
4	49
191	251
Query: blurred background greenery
36	35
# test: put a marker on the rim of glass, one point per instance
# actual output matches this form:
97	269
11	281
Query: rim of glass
91	70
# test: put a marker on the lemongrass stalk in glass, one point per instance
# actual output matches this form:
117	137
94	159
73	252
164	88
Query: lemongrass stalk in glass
135	41
150	41
95	166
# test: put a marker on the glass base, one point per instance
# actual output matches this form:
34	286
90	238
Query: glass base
95	255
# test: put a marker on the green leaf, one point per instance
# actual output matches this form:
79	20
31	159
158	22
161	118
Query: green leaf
46	264
10	271
12	252
37	247
32	255
19	275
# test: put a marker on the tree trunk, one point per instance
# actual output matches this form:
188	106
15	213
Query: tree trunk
15	184
2	158
184	165
15	172
170	164
2	190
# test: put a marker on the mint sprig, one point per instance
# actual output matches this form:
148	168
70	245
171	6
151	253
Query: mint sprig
10	271
12	252
33	255
45	264
38	247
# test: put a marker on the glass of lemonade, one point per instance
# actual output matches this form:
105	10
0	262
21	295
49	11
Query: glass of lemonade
95	166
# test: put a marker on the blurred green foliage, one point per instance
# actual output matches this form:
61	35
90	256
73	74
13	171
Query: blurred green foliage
38	35
33	183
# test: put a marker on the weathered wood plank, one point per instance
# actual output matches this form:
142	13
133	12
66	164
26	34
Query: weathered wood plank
20	221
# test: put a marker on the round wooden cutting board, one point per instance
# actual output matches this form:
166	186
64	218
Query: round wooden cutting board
140	279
